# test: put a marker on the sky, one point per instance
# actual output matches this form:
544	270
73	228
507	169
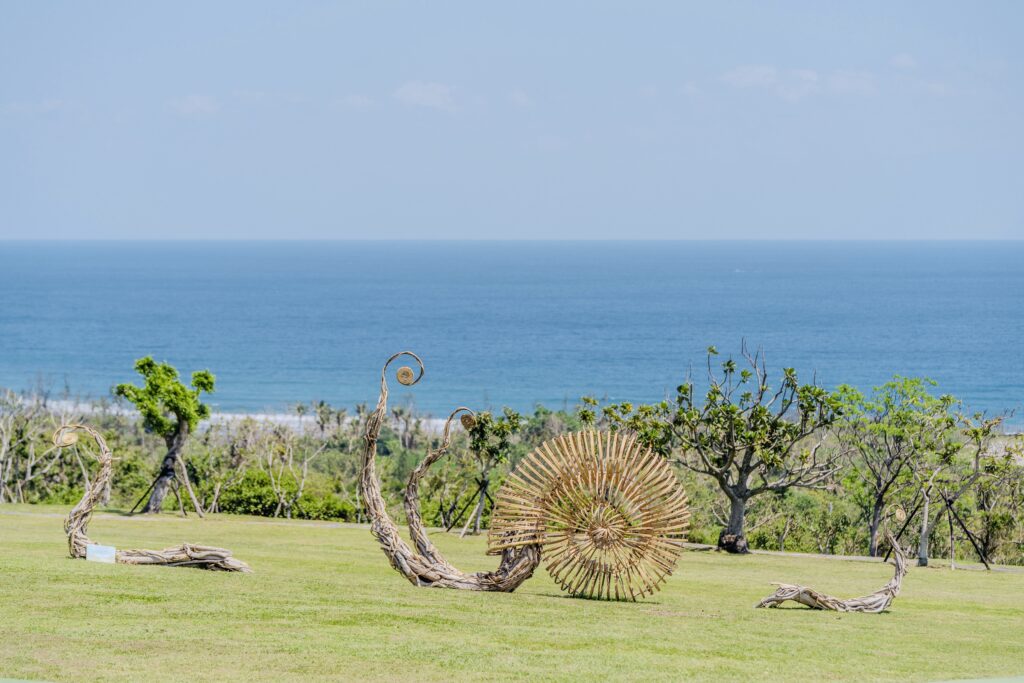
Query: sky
531	120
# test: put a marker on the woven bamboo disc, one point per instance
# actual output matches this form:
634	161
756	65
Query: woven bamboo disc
406	376
609	514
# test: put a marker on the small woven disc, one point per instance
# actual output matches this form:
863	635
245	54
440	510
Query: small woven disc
65	437
405	375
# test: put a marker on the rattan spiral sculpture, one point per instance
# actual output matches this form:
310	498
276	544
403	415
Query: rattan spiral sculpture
77	522
609	514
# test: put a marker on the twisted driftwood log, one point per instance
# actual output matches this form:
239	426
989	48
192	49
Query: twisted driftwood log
185	555
878	601
426	566
609	514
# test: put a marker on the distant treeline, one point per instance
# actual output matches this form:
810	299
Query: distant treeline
771	464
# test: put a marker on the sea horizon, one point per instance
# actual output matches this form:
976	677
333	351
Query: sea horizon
595	240
509	322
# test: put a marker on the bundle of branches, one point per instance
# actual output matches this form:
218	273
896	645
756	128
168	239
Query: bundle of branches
185	555
878	601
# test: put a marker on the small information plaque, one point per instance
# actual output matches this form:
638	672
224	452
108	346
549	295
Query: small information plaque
100	553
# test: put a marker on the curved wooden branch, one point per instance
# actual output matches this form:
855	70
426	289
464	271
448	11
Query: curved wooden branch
878	601
411	500
427	567
77	522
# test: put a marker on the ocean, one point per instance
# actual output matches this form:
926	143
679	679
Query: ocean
509	323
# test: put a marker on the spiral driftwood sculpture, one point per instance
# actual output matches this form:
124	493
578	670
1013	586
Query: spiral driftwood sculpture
609	514
426	566
878	601
185	555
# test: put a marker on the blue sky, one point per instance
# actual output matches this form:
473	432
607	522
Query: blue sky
529	120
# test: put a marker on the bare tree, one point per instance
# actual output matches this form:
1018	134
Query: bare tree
410	427
230	459
24	455
286	457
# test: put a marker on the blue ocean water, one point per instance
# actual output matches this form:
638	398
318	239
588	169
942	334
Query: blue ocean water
514	323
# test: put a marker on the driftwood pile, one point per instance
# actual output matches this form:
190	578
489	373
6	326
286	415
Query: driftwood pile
185	555
878	601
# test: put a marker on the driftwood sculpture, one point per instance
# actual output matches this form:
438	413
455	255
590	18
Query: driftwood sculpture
878	601
185	555
609	514
425	566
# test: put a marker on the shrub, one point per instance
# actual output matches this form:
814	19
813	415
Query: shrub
251	495
324	507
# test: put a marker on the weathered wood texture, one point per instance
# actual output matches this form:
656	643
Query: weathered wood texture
878	601
425	566
609	514
76	524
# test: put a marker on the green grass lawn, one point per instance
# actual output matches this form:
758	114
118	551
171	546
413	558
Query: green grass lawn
324	603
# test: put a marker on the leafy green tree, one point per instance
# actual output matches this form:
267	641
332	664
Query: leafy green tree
998	502
748	438
490	441
886	435
171	410
966	460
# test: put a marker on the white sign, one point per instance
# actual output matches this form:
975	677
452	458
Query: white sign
100	553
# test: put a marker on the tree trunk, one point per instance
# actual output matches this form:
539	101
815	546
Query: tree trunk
922	544
784	534
873	525
214	504
188	487
952	543
732	539
105	496
480	506
163	480
474	518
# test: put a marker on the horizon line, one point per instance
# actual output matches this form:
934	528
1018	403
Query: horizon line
503	239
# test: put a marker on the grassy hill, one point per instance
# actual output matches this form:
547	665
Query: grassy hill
323	603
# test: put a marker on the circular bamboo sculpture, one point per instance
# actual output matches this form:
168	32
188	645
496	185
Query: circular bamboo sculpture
609	514
185	555
878	601
426	566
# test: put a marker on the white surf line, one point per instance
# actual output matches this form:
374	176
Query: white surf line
68	408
